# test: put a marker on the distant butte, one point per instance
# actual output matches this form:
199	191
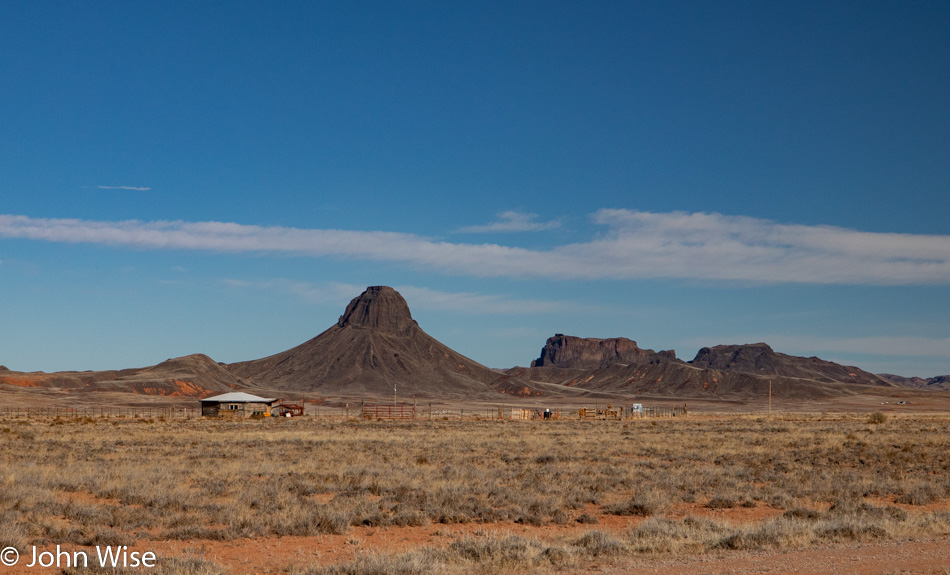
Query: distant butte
380	308
374	347
592	353
760	359
619	366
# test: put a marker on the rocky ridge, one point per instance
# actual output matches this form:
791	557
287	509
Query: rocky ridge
567	351
940	382
194	375
760	359
619	366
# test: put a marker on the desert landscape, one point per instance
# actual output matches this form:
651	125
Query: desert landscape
744	459
492	287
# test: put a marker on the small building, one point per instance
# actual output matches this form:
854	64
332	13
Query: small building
287	409
237	405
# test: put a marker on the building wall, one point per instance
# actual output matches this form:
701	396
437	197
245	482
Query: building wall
234	410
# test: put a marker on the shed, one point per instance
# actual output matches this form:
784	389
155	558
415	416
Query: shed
237	405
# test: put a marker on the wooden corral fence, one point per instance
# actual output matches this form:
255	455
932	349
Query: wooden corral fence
521	414
447	414
514	414
389	411
608	412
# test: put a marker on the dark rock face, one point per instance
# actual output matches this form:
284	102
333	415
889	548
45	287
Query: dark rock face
734	372
938	382
566	351
749	358
760	359
380	308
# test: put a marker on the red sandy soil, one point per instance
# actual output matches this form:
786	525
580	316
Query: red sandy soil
905	558
274	555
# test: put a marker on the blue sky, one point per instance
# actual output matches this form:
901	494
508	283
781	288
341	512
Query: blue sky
223	178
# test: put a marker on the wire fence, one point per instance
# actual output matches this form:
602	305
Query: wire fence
660	412
97	412
363	411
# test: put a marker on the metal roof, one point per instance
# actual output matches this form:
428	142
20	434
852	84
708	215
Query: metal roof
240	397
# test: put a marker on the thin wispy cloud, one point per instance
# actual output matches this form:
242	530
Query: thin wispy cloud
133	188
329	292
466	302
635	245
512	222
418	298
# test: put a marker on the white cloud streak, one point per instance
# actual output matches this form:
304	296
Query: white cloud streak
714	246
512	222
417	297
133	188
675	245
425	298
312	293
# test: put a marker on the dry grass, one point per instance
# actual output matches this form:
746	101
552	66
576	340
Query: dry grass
168	566
117	481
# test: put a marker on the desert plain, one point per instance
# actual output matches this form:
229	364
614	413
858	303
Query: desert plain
802	492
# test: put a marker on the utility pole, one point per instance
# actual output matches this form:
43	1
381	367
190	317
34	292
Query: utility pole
770	397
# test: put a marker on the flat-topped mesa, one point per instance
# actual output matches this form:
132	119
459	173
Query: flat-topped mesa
749	358
593	353
760	359
380	308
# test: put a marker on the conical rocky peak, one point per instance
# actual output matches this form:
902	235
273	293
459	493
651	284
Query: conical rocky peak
380	308
374	347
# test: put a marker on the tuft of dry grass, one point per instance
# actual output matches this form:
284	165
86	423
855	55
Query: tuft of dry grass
877	418
167	566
